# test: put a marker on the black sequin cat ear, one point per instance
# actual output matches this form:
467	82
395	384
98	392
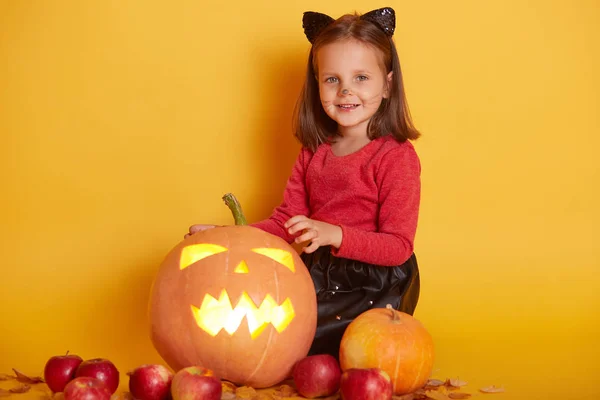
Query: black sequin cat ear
385	18
313	23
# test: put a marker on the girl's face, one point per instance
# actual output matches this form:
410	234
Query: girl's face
352	84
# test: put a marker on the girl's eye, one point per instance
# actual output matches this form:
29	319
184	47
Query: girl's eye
362	78
331	79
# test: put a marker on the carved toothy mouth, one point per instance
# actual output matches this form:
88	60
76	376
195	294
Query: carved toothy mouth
216	315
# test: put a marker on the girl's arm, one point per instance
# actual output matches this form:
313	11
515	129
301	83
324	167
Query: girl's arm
295	200
399	183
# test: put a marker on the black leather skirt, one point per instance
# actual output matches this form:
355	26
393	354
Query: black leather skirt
346	288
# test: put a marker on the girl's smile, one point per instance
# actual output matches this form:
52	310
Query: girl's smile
348	107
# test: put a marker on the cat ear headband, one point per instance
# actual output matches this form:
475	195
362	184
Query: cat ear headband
314	22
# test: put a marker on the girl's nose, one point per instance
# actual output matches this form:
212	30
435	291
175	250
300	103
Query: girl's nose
345	91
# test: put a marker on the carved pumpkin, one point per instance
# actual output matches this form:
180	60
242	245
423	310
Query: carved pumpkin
391	340
236	300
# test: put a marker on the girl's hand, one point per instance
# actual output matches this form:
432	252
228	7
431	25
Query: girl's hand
197	228
317	232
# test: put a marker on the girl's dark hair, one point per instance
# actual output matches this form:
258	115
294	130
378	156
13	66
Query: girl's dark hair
313	126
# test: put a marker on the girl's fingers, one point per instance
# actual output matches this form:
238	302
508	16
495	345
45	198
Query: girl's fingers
311	247
306	236
300	226
294	220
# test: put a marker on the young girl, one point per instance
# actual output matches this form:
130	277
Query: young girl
353	195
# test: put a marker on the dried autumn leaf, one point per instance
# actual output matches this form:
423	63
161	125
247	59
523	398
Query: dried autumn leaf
285	391
434	383
410	396
228	396
455	383
5	377
21	377
420	394
432	394
228	387
459	395
492	389
262	396
122	396
245	392
24	388
45	396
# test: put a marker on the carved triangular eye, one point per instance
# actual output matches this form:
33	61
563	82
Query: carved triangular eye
281	256
197	252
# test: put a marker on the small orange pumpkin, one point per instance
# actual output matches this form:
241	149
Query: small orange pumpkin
391	340
236	300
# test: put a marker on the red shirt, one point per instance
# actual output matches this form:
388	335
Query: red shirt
372	194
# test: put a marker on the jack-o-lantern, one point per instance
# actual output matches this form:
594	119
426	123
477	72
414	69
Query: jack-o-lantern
236	300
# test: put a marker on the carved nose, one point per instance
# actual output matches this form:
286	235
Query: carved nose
242	268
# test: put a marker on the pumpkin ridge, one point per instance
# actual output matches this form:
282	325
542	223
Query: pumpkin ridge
418	377
397	351
228	255
264	355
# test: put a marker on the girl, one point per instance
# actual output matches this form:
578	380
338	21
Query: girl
353	195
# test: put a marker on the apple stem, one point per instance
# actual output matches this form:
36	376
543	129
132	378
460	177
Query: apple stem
236	209
394	314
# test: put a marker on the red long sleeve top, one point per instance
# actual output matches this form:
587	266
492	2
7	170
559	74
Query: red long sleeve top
372	194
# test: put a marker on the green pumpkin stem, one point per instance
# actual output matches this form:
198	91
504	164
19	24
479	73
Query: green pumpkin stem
236	209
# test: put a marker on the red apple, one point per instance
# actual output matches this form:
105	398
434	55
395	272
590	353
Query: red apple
317	376
365	384
59	370
101	369
195	383
86	388
150	382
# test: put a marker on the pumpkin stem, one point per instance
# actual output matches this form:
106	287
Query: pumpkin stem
236	209
394	313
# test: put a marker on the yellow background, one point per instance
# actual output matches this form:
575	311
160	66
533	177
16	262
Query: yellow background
123	122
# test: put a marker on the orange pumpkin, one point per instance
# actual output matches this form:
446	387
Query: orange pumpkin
393	341
236	300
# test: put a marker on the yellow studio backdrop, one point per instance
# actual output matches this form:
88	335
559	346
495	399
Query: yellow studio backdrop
122	123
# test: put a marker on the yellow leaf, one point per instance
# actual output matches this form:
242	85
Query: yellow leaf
285	391
245	392
262	396
227	387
